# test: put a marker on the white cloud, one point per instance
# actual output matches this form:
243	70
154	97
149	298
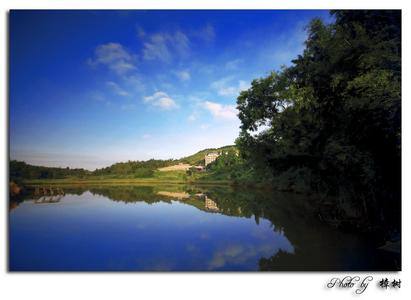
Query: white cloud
184	75
225	87
220	111
117	89
122	67
115	57
161	100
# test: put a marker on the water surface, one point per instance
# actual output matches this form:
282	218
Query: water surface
177	228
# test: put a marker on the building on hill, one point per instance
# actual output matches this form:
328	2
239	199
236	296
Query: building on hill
210	157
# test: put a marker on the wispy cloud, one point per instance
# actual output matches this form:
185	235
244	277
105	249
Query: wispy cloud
206	33
98	97
162	46
115	57
117	89
228	87
220	111
184	75
292	44
128	107
192	117
233	64
140	31
161	100
181	43
156	48
134	82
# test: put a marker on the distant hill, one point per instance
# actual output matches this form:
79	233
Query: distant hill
198	158
134	169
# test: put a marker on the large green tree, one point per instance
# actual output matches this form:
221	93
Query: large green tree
331	122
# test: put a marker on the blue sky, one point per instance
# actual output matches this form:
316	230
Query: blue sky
90	88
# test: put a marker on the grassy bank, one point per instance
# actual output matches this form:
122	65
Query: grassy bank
176	177
158	178
120	181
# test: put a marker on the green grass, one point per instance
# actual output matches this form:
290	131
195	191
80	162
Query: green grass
172	177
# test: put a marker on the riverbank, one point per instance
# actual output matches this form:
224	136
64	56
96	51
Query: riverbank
121	181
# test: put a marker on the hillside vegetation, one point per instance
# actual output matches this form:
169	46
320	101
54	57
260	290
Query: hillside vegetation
21	171
198	158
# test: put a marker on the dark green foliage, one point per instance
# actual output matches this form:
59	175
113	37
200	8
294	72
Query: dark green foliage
198	158
332	120
225	166
132	169
225	161
20	170
143	173
191	171
232	167
136	169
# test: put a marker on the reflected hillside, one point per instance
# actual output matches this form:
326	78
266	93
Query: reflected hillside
316	246
279	208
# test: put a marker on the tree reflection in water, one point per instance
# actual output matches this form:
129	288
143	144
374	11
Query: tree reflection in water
312	245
